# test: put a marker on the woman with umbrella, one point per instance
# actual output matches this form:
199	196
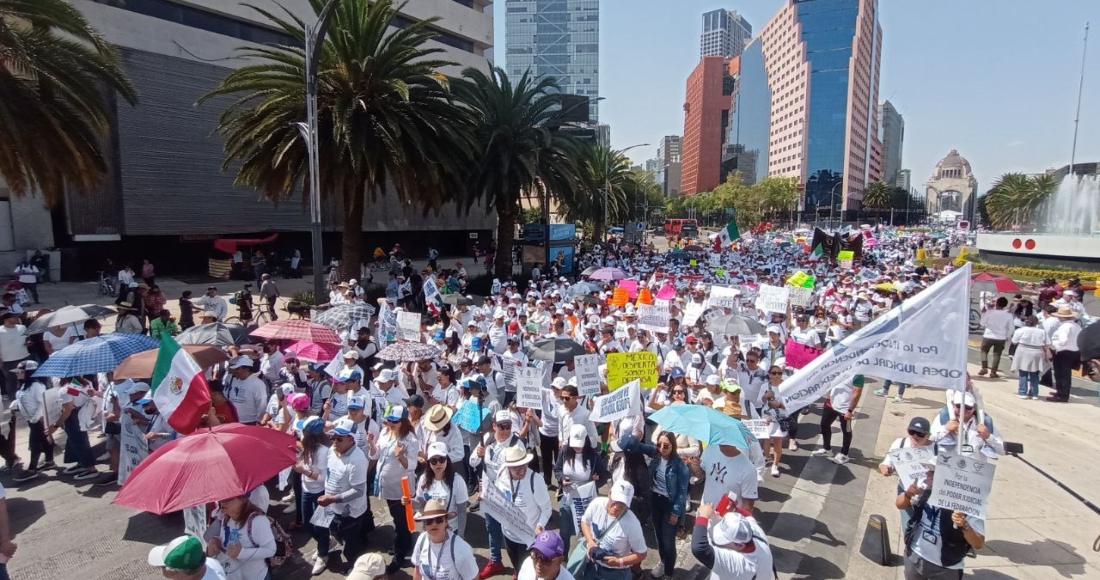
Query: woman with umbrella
74	397
241	540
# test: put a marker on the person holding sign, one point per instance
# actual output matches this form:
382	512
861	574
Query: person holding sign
917	439
577	465
978	436
936	540
527	494
395	452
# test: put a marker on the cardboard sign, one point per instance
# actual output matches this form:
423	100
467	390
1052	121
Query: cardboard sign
845	258
588	374
195	522
799	279
623	367
667	292
800	296
962	484
495	503
469	416
408	326
631	287
772	298
529	384
722	297
692	312
617	404
758	427
653	318
798	355
906	462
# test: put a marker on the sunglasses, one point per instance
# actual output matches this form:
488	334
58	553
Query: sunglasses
918	434
751	361
434	521
678	392
540	559
438	460
969	407
567	398
504	425
775	373
664	446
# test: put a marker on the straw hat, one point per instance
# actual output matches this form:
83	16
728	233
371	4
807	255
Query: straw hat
434	509
438	417
517	456
1065	312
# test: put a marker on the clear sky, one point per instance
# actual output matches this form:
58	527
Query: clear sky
995	79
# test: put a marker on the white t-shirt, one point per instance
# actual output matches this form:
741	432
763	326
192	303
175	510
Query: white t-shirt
13	345
726	474
452	497
60	342
249	564
346	472
213	570
527	571
435	561
624	539
389	468
319	466
249	396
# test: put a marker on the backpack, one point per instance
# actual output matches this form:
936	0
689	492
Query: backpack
283	545
424	538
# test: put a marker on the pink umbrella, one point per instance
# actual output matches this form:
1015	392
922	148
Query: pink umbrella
608	274
297	330
311	351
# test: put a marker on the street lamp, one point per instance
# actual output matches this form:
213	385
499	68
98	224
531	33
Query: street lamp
832	202
607	180
315	37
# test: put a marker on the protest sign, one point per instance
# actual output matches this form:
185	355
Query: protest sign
511	516
869	274
133	447
693	262
921	342
799	355
653	318
195	522
408	326
723	297
617	404
584	495
529	387
746	341
662	303
772	298
623	367
758	427
588	374
906	462
799	279
387	326
845	258
962	484
667	292
631	287
800	296
469	416
692	312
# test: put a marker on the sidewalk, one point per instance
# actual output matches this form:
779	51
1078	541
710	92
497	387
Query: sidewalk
1035	530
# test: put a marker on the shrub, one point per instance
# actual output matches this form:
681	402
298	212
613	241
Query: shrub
1058	274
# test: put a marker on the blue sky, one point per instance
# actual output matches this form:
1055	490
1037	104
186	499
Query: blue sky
995	79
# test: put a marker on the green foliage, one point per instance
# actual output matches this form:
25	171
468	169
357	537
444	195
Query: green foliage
768	199
1016	198
531	215
877	195
304	296
54	72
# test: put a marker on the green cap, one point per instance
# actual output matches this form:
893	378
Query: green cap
182	553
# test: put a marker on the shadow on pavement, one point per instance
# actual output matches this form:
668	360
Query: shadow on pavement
805	527
1024	553
23	512
152	529
808	567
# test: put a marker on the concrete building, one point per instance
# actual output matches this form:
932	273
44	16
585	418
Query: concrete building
558	38
952	186
905	179
166	195
811	79
891	132
706	123
669	165
603	135
725	33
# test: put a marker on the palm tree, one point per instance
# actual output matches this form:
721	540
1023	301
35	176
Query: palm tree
55	71
518	148
1016	198
607	193
877	195
384	116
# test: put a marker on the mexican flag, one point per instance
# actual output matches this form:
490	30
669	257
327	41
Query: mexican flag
432	298
817	252
179	387
729	233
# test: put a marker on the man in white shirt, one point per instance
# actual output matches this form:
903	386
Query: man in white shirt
498	333
1063	341
999	325
185	559
246	391
212	302
346	489
727	469
13	350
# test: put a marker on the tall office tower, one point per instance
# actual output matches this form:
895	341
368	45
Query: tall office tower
668	165
891	128
558	38
706	119
813	73
725	33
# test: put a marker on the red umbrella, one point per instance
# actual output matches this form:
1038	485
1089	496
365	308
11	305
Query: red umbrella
210	465
312	351
996	281
298	330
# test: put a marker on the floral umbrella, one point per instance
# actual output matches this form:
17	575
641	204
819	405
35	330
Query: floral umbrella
409	351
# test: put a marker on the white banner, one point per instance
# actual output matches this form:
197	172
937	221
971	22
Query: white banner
503	510
773	298
920	342
529	382
625	401
408	326
195	522
692	312
962	484
133	447
588	374
653	318
722	297
800	296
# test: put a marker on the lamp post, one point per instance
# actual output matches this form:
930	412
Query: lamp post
832	203
607	180
315	37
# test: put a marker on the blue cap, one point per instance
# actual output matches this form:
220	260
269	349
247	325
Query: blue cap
344	426
475	343
144	401
396	413
357	402
352	374
438	334
676	373
312	425
318	367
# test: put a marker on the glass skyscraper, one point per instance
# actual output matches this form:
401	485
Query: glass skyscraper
558	38
725	33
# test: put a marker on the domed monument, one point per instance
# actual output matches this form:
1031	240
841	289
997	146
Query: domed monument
952	187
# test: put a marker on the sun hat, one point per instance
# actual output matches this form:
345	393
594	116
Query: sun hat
438	449
433	508
27	365
548	544
622	491
1065	312
516	456
733	528
438	417
368	567
241	362
182	553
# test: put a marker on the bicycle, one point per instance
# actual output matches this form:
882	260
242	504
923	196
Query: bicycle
106	284
260	316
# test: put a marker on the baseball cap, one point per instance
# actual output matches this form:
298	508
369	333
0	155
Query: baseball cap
368	567
677	343
676	373
395	413
139	388
353	355
920	425
298	401
961	398
502	416
357	402
414	401
548	544
733	528
27	365
182	553
622	491
241	362
577	435
344	426
386	376
438	449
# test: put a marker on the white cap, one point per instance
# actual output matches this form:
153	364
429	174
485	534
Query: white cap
577	435
502	415
961	398
438	449
241	362
731	529
353	355
622	491
386	376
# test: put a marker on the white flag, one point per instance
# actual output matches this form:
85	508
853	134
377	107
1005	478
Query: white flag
920	342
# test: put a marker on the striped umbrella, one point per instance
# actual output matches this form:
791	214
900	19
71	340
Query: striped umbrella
297	330
95	355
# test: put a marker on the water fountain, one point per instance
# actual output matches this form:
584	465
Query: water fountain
1069	236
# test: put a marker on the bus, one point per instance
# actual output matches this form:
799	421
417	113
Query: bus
687	228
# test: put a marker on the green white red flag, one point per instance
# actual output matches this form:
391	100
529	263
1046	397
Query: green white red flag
179	387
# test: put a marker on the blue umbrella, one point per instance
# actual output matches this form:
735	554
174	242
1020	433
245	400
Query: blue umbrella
705	424
95	355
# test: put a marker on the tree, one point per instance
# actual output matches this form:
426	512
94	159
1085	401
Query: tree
54	74
1016	198
385	116
607	193
517	147
877	195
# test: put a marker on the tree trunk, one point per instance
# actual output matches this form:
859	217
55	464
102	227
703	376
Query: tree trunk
352	237
506	235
